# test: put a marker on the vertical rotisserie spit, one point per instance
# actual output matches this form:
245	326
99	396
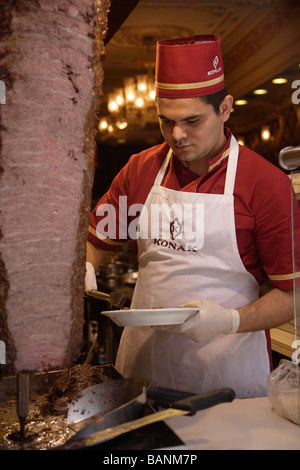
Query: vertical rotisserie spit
51	55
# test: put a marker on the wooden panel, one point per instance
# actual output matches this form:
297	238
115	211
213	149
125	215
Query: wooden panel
281	341
283	337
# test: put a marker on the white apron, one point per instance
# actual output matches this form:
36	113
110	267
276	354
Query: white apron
185	264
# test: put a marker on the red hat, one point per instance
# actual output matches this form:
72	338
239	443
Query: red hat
189	67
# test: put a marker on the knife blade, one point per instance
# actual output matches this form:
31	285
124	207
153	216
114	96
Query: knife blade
187	406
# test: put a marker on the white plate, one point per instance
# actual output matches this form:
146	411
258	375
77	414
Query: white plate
150	316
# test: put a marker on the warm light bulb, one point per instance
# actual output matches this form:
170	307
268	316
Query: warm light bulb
119	100
141	82
139	102
260	91
279	81
241	102
103	125
121	124
129	89
151	90
265	133
130	96
112	104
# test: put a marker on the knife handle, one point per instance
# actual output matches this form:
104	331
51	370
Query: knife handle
205	400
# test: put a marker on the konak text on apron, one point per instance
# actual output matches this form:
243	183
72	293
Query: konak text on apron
196	257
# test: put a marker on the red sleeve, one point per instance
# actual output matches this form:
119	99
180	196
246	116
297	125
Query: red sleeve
277	218
110	222
105	231
263	197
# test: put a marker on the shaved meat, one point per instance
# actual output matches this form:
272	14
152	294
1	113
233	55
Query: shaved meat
51	56
70	385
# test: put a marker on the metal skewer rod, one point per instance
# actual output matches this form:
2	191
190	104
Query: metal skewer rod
22	400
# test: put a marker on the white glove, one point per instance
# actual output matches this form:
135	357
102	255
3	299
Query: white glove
90	277
210	321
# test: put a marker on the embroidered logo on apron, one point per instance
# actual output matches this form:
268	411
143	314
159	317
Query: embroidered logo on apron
173	226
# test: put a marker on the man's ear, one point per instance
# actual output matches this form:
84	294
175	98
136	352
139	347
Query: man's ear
225	107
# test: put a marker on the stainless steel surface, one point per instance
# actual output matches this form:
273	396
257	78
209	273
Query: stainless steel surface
99	399
121	396
44	430
116	299
22	400
289	158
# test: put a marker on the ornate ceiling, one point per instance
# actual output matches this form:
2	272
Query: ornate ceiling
260	40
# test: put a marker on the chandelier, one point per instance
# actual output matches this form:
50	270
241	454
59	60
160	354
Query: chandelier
131	105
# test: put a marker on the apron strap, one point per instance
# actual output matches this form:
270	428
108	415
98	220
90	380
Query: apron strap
231	166
230	173
160	175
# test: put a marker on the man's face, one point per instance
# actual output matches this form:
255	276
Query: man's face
192	128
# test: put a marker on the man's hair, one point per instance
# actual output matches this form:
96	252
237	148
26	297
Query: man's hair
215	99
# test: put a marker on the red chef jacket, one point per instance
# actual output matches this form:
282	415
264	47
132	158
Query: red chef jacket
262	204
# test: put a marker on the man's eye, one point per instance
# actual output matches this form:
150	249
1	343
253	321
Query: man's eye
192	121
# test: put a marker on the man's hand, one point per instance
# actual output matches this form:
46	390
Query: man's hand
210	321
90	277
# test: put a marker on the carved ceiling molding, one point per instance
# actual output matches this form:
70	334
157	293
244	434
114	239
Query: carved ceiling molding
147	35
260	39
263	34
207	3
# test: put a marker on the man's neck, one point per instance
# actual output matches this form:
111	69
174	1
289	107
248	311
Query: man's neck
200	167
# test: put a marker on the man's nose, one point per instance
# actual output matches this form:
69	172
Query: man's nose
178	133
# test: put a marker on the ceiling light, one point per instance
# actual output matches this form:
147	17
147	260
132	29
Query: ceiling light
240	102
103	125
139	102
132	105
260	91
265	133
119	97
112	103
121	124
279	81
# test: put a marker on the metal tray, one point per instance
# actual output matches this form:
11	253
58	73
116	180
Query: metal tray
153	436
41	382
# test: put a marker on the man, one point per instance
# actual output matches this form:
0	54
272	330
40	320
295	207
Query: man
224	230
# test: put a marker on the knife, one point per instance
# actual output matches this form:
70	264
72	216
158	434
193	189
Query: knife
187	406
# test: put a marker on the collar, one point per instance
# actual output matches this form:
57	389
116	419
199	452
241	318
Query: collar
215	161
222	155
